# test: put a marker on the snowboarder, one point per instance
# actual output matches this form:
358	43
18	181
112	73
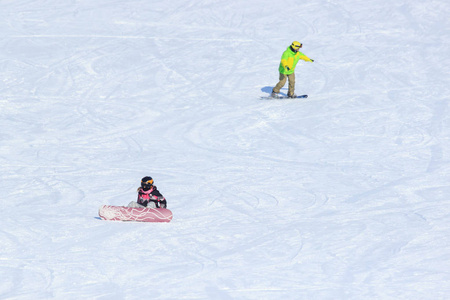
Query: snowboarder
148	195
289	60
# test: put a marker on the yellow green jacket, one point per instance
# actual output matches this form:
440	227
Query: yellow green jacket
290	59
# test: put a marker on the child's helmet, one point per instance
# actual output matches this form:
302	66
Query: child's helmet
296	46
147	183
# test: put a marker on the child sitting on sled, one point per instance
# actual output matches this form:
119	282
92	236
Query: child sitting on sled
148	195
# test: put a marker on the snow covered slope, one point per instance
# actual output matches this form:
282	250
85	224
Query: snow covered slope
344	195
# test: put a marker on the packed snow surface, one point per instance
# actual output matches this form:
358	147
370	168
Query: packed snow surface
343	195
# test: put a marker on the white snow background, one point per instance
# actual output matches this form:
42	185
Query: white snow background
344	195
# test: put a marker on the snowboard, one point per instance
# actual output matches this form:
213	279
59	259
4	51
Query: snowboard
283	97
144	214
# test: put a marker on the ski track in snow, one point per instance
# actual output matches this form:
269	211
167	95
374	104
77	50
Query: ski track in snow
339	196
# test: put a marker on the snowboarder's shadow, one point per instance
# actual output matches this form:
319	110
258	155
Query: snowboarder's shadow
268	90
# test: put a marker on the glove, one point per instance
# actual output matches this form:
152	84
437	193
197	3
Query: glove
287	68
163	204
312	60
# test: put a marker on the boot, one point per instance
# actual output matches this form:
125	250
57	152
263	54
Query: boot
274	95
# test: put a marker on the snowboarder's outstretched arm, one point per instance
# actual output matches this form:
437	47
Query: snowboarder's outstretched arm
305	58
